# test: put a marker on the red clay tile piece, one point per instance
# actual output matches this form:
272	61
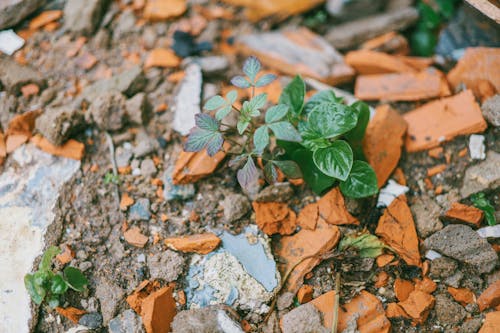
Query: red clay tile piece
372	62
403	289
305	294
200	243
383	141
126	201
70	149
382	279
417	305
73	314
491	323
384	259
308	216
332	209
465	214
442	120
134	237
158	310
393	310
462	295
490	297
274	218
426	285
3	148
160	10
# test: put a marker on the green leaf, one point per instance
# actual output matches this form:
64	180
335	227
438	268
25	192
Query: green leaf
242	125
423	42
223	112
293	95
42	277
429	18
332	119
362	111
240	82
251	67
311	139
214	103
248	175
53	301
362	182
264	80
290	168
313	176
261	138
270	173
58	285
258	101
479	201
46	262
336	160
276	113
283	130
36	293
75	278
231	96
367	245
325	96
206	122
201	138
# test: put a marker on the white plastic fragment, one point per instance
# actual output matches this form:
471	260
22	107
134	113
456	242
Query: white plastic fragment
10	42
431	255
390	192
476	147
490	232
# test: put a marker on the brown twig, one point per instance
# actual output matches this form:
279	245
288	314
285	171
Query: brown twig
336	303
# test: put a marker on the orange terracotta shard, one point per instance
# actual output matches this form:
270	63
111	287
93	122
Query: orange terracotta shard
397	228
443	120
134	237
201	243
372	62
162	58
259	9
71	149
142	291
158	311
126	201
462	295
45	18
384	259
305	294
418	305
403	289
66	255
308	217
393	310
190	167
383	141
435	170
465	214
306	246
30	90
382	279
490	297
332	209
71	313
491	323
160	10
274	218
476	69
426	285
402	86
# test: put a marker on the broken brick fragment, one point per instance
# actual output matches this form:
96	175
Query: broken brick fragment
71	313
426	285
427	84
384	259
255	10
417	305
160	10
491	323
160	57
134	237
372	62
70	149
332	209
305	294
158	310
390	42
200	243
490	297
436	170
66	255
383	141
462	295
274	218
403	289
397	229
382	279
45	18
126	201
393	310
442	120
142	291
308	216
465	214
436	152
30	90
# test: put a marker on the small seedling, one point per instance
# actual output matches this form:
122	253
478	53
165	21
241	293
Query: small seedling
479	201
323	136
45	284
110	178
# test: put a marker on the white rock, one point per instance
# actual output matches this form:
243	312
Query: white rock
10	42
227	324
431	255
28	196
390	192
490	232
476	147
187	100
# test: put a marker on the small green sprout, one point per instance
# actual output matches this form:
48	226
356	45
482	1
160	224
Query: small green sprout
479	201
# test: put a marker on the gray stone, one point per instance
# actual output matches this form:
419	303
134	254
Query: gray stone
138	109
448	312
123	157
176	192
454	279
91	320
166	265
464	244
352	9
235	207
303	319
125	24
187	100
139	211
148	168
145	144
442	267
14	76
355	32
83	17
285	300
491	110
108	111
14	11
213	64
211	319
426	213
129	82
127	322
473	282
29	195
110	295
471	326
58	124
482	176
278	192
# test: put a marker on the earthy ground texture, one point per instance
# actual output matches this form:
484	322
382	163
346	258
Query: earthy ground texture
168	239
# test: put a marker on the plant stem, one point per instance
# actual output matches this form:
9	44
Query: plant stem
234	142
336	303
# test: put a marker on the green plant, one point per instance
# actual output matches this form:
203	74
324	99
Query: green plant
45	284
323	136
479	201
367	245
111	178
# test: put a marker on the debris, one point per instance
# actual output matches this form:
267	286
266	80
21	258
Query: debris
367	62
467	246
482	176
490	298
187	100
465	214
491	110
403	289
161	10
425	285
145	145
166	265
382	279
350	34
185	44
332	209
390	192
308	217
391	42
139	211
134	237
442	120
490	232
427	84
383	141
14	76
161	58
305	318
235	207
418	305
304	249
71	149
59	123
148	168
45	18
475	67
432	255
449	312
128	82
10	42
255	10
491	322
208	319
462	295
201	243
213	64
108	111
476	147
384	259
305	294
426	212
297	52
14	11
397	229
192	166
86	60
71	313
158	310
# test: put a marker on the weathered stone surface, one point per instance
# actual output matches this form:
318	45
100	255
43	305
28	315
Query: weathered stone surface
305	318
212	319
482	176
13	76
491	110
235	207
127	322
82	17
278	192
426	212
187	100
109	295
464	244
27	210
58	124
138	109
442	268
166	265
129	82
14	11
349	10
449	312
108	111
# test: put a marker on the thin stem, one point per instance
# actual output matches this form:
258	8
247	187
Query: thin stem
236	109
253	91
336	303
234	142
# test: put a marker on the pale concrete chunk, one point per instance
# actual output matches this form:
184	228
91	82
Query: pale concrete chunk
187	100
482	176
